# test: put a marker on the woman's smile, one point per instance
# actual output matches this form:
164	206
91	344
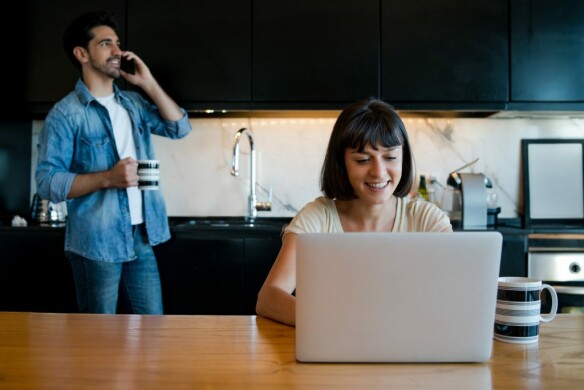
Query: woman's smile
378	185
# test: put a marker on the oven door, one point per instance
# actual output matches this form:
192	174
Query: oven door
564	270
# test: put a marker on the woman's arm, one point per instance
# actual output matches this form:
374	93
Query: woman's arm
275	299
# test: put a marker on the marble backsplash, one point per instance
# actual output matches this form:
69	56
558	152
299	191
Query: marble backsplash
196	179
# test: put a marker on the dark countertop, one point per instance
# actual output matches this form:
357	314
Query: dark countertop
510	225
184	225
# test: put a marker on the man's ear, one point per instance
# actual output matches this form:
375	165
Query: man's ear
81	54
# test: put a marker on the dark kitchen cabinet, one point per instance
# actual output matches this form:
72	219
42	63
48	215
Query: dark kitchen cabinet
260	254
14	99
199	51
444	54
34	273
49	73
215	271
482	55
314	54
547	53
201	273
514	252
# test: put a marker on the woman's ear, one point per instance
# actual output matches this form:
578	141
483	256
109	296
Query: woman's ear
81	54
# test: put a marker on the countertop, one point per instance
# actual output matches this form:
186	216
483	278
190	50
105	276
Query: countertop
180	223
505	226
81	351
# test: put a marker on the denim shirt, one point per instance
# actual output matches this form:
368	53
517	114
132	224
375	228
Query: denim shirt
78	138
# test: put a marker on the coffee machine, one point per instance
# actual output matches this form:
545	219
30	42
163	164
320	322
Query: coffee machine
470	199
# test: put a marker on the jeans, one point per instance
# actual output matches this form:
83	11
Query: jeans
97	283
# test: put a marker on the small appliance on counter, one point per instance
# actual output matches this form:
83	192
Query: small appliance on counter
470	200
47	213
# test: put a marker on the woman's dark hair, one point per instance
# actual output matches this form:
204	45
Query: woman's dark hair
366	122
78	33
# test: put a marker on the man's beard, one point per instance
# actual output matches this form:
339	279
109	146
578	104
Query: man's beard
107	68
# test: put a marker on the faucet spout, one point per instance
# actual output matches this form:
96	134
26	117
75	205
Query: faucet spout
252	200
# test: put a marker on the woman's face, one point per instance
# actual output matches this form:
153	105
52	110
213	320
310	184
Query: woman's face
374	174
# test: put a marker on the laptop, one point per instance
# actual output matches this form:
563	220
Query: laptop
396	297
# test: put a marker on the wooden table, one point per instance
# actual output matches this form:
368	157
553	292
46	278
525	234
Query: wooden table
82	351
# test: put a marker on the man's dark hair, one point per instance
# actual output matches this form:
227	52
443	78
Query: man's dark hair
78	33
366	122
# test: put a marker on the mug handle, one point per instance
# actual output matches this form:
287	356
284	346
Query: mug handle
550	316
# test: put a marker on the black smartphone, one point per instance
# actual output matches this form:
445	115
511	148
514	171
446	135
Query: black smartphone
128	66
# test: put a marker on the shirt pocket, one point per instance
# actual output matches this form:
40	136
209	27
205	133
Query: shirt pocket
94	153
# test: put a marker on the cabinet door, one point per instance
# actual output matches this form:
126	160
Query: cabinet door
514	255
34	272
260	254
547	50
13	99
315	54
453	52
199	51
50	74
201	275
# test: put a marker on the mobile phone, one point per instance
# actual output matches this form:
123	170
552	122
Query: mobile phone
128	66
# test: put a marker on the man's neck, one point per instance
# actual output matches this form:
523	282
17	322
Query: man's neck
99	85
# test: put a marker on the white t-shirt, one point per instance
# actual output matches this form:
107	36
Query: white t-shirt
321	216
126	148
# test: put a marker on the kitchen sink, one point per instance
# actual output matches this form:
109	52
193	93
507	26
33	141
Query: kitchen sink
233	223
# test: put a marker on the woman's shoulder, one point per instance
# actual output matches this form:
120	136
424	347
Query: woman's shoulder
318	209
321	203
315	216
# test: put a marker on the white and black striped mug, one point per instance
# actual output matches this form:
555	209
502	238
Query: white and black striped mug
148	174
519	309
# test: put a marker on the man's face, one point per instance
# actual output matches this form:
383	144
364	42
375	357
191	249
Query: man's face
104	52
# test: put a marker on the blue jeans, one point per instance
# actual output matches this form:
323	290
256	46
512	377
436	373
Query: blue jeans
97	283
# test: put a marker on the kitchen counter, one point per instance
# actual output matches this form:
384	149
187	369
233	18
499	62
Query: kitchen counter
180	224
505	225
157	352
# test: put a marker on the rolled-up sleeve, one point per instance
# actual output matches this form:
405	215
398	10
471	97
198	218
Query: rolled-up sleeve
178	129
53	180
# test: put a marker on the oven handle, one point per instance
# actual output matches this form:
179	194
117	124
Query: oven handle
569	290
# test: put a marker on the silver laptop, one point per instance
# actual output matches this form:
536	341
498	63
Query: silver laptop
401	297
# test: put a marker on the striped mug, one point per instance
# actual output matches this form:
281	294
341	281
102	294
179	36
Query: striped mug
519	309
148	174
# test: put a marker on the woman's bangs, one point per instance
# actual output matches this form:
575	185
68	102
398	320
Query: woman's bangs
375	133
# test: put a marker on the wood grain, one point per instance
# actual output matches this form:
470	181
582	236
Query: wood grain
89	351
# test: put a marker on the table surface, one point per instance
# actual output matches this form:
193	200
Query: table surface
45	350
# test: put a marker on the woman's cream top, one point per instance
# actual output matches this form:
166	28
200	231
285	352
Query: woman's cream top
321	216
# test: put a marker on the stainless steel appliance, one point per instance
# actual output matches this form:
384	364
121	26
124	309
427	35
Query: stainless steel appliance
471	200
558	259
46	212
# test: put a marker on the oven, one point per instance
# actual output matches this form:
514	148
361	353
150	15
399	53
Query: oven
558	260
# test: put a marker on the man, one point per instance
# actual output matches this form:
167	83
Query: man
89	145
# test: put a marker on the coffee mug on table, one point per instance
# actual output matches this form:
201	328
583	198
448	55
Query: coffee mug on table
149	174
519	309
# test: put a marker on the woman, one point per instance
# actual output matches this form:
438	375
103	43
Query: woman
368	172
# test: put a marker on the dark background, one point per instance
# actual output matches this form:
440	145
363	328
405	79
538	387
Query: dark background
15	161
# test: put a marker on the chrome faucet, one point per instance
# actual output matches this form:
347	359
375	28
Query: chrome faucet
252	204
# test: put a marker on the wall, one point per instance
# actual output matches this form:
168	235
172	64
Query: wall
196	175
